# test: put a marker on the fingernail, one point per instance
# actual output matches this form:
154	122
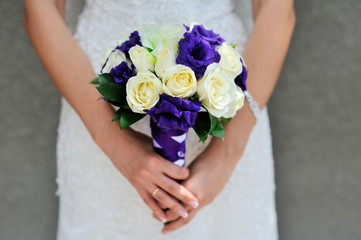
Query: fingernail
194	204
161	218
183	213
165	232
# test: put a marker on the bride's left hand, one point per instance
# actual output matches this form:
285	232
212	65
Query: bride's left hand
211	170
208	175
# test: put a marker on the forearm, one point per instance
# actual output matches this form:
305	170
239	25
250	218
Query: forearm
267	46
66	63
264	55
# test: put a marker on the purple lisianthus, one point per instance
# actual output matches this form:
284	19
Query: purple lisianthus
240	80
134	39
122	72
172	113
196	53
208	35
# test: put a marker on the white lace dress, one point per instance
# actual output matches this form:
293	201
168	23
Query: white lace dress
97	202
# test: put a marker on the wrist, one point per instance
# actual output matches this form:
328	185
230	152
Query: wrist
237	132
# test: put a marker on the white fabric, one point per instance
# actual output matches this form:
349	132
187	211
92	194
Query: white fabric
97	202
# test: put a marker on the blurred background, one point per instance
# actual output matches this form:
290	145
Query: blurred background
315	118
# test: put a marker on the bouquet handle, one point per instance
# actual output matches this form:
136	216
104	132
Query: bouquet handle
169	143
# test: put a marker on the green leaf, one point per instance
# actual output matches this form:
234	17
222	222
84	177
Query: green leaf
202	126
117	115
106	78
207	124
226	120
217	130
113	92
95	81
128	117
194	98
233	45
148	49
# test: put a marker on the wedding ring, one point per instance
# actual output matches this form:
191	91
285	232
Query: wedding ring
155	192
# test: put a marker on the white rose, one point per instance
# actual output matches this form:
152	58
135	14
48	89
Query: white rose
154	37
230	60
142	59
216	90
112	58
166	58
236	104
179	81
143	91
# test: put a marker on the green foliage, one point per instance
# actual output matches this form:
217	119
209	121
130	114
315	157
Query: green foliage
103	78
226	120
113	92
116	94
106	78
129	117
126	116
95	81
207	124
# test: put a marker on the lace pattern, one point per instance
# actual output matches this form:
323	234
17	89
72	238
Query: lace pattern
253	104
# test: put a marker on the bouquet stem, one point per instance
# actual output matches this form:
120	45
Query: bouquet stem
169	143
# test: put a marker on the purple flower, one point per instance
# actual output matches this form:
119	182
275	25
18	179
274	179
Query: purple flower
174	113
196	53
208	35
240	80
122	72
134	39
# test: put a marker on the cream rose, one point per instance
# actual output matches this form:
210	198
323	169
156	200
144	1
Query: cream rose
216	90
143	91
179	81
166	58
154	37
230	60
112	58
236	104
142	59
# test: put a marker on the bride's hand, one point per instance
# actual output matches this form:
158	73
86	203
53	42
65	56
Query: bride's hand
211	170
148	171
208	175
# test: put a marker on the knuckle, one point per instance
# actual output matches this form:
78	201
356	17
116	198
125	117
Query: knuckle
161	198
143	171
176	207
171	188
153	161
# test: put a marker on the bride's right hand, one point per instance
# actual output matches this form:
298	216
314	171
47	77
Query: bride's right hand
132	153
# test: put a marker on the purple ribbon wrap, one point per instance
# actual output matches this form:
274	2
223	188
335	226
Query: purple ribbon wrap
169	143
170	121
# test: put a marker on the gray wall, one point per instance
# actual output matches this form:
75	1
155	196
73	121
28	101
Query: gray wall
315	114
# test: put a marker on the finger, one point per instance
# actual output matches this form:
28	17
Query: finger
170	203
179	222
162	205
154	206
170	215
174	171
178	191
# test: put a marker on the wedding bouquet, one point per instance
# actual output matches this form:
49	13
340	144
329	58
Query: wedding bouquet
182	77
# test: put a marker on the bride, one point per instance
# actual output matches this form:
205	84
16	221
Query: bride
227	187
